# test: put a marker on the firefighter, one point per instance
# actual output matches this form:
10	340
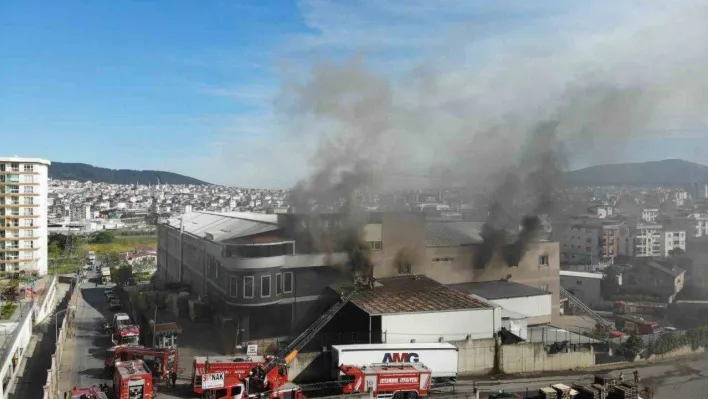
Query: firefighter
636	376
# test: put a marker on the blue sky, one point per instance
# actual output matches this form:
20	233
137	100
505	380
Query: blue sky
189	86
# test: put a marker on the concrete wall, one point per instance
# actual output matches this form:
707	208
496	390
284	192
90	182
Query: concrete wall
475	356
586	289
532	357
448	326
537	307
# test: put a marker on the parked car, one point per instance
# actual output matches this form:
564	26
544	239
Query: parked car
108	291
110	297
115	304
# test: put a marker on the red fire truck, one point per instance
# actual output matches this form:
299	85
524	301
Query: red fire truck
640	308
126	335
637	325
161	361
400	380
133	380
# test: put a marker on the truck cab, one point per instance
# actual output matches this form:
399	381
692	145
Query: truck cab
133	380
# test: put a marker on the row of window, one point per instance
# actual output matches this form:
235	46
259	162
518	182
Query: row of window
16	201
15	167
14	189
283	285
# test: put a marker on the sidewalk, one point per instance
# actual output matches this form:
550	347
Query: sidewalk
67	370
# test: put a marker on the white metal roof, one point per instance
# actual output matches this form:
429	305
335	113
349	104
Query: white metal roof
225	226
570	273
362	347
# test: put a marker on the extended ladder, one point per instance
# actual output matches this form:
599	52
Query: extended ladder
577	302
306	336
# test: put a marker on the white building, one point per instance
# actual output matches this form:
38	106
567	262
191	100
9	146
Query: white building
674	239
648	240
649	215
23	214
701	225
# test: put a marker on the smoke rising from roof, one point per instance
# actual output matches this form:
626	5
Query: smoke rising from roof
506	128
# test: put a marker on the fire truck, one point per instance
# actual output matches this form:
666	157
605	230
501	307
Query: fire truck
89	393
161	361
126	335
227	377
637	325
397	380
640	308
133	380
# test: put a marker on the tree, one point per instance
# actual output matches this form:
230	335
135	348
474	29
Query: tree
54	249
609	285
677	252
103	237
143	265
632	346
121	274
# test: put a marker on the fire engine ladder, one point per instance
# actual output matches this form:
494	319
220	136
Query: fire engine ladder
577	302
306	336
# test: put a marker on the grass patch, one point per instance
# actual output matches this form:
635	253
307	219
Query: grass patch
122	244
7	311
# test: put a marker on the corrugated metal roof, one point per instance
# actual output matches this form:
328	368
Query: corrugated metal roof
453	233
412	294
499	289
224	226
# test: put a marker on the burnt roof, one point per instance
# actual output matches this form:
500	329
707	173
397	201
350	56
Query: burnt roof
499	289
413	294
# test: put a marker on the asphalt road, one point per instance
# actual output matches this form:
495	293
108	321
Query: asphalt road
91	343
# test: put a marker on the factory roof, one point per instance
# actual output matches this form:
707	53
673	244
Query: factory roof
414	294
225	226
499	289
452	233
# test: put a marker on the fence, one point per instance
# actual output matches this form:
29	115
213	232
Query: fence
51	387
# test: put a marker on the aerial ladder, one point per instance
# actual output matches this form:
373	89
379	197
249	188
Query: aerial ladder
265	376
577	302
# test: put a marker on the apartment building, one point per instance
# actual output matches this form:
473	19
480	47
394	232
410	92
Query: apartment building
23	214
648	240
650	215
674	239
616	241
580	242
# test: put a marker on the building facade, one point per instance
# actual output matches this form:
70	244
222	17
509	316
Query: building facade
23	214
616	241
674	240
648	240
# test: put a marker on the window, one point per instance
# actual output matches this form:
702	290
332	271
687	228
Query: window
288	282
28	200
543	287
543	260
29	211
376	245
28	167
265	286
404	268
233	286
29	189
278	284
447	259
14	167
248	287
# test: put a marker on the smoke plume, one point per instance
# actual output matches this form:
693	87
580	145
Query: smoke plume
505	129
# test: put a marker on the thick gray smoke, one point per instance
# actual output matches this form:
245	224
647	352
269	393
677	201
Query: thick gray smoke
501	129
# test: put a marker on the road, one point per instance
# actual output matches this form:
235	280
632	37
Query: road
82	363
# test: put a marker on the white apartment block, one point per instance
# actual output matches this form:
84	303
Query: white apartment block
649	215
23	214
648	240
674	239
701	225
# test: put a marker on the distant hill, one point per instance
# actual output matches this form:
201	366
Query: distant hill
667	172
84	172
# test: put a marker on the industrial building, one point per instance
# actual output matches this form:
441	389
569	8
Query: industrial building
23	214
583	285
255	268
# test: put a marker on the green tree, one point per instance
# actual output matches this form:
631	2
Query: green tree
103	237
54	249
632	346
143	265
121	274
677	252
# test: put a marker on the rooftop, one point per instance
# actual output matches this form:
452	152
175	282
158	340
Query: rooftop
414	294
452	233
498	289
225	226
25	160
571	273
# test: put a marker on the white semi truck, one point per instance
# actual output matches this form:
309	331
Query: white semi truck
441	358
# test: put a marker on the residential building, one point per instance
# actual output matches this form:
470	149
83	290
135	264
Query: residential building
580	242
660	279
650	215
674	239
648	240
700	224
616	241
23	214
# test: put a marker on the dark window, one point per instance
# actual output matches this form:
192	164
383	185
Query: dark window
543	260
233	286
288	282
248	287
278	284
265	286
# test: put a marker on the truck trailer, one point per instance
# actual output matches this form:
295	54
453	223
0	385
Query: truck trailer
441	358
